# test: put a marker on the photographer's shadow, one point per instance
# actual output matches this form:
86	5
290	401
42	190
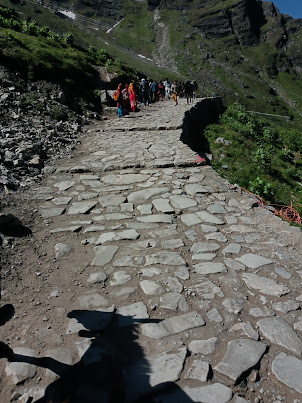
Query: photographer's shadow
112	366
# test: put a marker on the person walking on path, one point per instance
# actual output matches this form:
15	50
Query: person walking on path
126	101
154	91
144	91
118	97
174	91
132	97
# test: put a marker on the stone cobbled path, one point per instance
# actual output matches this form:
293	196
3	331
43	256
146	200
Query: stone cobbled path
169	284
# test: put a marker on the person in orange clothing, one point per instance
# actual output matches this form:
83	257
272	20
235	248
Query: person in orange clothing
132	97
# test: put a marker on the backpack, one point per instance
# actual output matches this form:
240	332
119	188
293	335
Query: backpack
116	96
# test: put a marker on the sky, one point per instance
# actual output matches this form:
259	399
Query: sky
291	7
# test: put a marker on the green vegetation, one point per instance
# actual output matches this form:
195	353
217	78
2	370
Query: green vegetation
263	157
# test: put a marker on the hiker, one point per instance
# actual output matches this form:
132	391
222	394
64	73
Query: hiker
126	101
154	91
144	91
161	91
195	88
118	97
174	91
132	97
167	85
189	91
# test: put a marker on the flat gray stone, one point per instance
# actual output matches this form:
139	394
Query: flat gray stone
94	300
209	268
230	219
156	218
59	201
144	195
125	292
131	261
111	200
204	247
208	228
190	219
130	314
216	393
214	316
286	306
174	301
259	312
233	305
94	228
64	185
204	256
209	218
216	209
140	225
288	370
241	356
253	261
206	289
81	207
173	325
151	287
282	272
21	371
245	329
97	278
128	234
151	271
216	236
195	189
145	209
298	325
172	243
103	255
62	249
162	369
164	233
199	370
120	278
72	228
124	179
162	205
264	285
112	217
174	284
231	249
232	264
182	202
87	196
62	355
165	258
197	177
52	212
204	347
279	332
182	273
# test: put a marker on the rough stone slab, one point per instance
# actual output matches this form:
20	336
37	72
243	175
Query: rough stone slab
174	301
208	228
130	261
286	306
279	332
174	284
112	217
209	268
216	236
97	278
172	243
288	370
209	218
216	209
242	229
65	185
246	329
195	189
129	313
205	247
264	285
125	292
124	179
166	258
81	207
62	355
151	271
140	225
253	261
182	202
52	212
204	256
216	393
174	325
103	255
241	356
232	264
258	312
59	201
72	228
144	195
94	300
151	287
129	234
197	177
214	316
94	228
164	233
112	200
156	218
206	289
120	278
231	249
190	219
183	273
162	205
203	346
21	371
282	272
62	249
162	369
87	196
199	370
145	209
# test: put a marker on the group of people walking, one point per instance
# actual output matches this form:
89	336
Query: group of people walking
150	91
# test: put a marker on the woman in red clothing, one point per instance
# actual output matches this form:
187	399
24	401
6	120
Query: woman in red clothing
132	97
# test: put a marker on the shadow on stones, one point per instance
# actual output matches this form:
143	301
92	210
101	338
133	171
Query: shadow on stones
12	226
112	367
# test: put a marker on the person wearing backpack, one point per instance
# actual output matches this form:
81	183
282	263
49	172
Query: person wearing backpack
144	91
